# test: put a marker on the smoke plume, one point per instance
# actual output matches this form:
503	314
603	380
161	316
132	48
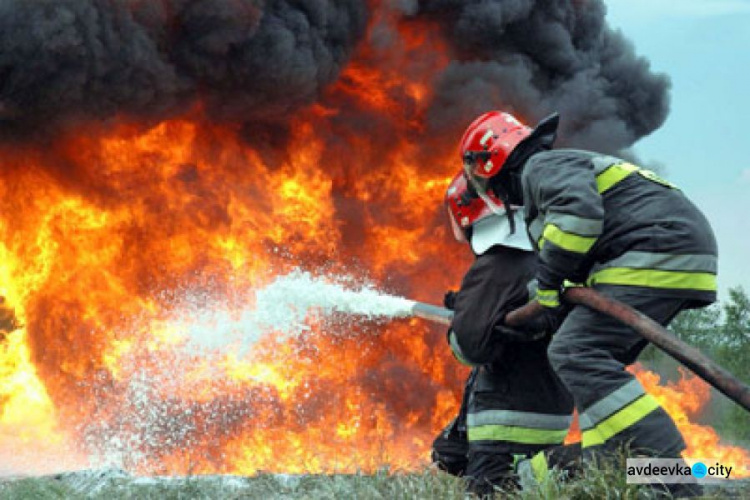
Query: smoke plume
539	56
64	62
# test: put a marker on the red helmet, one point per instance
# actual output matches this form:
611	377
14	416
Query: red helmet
488	142
466	207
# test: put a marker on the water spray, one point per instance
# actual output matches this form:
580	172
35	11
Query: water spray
286	305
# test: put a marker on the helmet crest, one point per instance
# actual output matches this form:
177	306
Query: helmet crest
489	141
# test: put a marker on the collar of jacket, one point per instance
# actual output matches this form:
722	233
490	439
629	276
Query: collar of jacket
495	230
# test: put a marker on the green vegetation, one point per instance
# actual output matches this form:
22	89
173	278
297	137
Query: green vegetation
722	332
599	482
382	485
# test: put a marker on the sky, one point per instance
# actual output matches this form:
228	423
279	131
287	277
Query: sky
704	47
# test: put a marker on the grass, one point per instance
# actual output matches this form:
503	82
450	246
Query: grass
605	483
268	486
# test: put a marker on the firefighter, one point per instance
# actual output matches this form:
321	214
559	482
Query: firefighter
515	404
450	450
605	222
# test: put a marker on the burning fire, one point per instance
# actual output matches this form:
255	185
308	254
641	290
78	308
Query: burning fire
157	224
684	401
184	216
110	239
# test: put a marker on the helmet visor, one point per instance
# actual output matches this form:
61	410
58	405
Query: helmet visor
479	185
458	233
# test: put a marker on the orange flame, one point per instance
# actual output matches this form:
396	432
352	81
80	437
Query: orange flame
685	400
111	240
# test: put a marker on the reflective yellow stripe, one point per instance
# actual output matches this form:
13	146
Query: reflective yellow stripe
617	172
539	466
516	434
567	241
653	278
620	421
612	175
548	298
610	404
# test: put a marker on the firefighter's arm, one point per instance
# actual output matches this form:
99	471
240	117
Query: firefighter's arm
477	310
449	301
539	326
564	191
458	352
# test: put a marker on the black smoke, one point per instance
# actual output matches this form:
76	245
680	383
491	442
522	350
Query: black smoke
534	57
63	62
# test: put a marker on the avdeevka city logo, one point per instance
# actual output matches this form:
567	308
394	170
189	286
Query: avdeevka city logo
699	470
676	470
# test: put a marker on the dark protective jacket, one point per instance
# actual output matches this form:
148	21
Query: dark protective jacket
600	220
517	403
496	283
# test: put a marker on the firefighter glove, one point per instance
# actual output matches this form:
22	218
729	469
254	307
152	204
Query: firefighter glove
449	299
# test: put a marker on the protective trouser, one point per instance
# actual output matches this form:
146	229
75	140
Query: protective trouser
450	448
590	352
500	436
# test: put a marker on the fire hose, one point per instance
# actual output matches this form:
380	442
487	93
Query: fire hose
692	358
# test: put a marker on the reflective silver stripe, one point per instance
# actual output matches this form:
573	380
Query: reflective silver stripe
536	228
525	419
574	224
602	163
662	261
533	288
611	404
457	350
